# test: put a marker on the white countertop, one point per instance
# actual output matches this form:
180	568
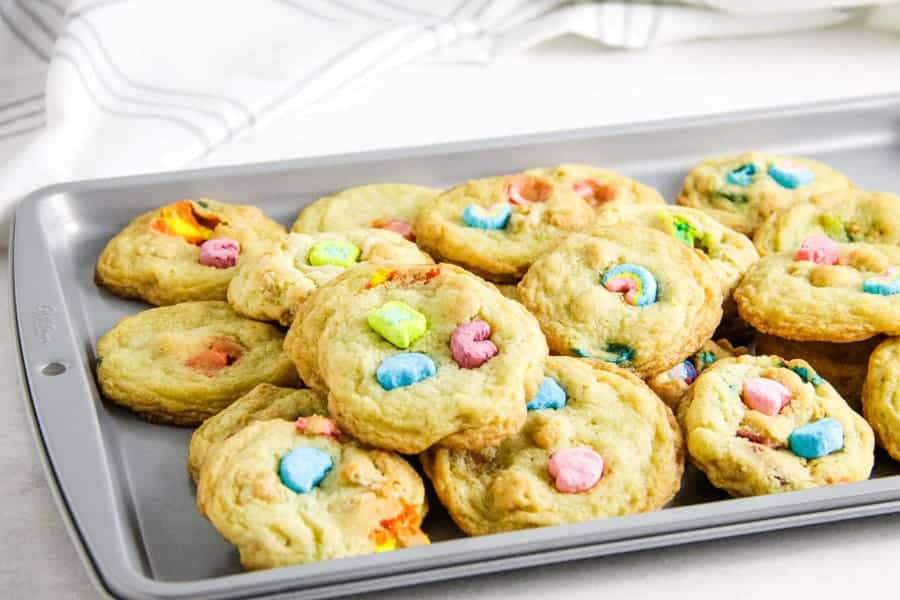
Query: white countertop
439	103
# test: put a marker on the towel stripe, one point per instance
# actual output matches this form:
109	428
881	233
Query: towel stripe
305	10
30	44
37	20
22	117
107	56
355	9
18	132
84	10
52	6
131	99
21	101
408	10
65	57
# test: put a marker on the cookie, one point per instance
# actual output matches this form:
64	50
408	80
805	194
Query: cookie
602	188
881	395
498	226
272	287
263	403
421	355
794	295
843	365
672	385
302	339
509	290
731	253
845	216
184	363
390	206
759	425
182	252
743	191
287	496
627	295
597	444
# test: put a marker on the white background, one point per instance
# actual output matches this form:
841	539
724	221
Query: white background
563	85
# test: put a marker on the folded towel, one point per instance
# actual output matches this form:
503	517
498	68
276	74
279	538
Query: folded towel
97	88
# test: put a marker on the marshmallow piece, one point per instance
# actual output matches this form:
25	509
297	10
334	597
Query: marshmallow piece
742	176
402	370
398	226
765	395
634	281
398	323
886	284
791	176
302	469
575	469
495	217
549	395
317	425
817	439
819	249
470	345
685	371
220	253
333	252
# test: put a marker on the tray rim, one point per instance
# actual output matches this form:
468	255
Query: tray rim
136	584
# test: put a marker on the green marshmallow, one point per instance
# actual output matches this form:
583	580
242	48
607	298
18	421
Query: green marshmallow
339	254
833	226
398	323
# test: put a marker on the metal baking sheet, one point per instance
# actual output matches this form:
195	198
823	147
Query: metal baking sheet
122	484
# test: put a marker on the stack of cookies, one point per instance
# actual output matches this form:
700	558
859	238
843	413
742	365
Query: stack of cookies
542	346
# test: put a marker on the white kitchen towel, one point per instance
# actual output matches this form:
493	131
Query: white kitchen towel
98	88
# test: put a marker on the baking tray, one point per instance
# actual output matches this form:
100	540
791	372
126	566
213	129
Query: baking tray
122	484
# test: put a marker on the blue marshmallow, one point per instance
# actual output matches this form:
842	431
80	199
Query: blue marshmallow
791	176
817	439
549	395
401	370
742	176
303	468
881	286
495	217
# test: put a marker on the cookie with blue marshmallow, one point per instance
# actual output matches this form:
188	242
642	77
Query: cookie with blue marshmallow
417	355
498	226
672	385
287	493
597	443
625	294
263	403
824	291
743	191
761	424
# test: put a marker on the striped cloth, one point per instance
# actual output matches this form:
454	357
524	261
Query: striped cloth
97	88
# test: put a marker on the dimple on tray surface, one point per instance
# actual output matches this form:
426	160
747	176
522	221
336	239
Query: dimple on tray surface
155	529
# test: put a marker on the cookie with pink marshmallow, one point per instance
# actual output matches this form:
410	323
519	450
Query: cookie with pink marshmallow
761	424
185	251
597	443
413	356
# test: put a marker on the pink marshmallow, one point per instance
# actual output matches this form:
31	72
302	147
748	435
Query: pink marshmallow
819	249
316	425
575	469
470	346
765	395
220	253
624	285
397	226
